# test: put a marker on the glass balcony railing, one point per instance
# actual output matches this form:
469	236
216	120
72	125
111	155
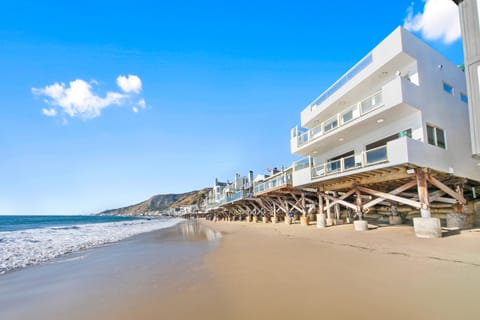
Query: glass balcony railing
340	119
274	182
302	164
366	158
239	195
343	80
376	155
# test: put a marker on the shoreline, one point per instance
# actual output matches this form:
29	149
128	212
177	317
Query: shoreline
99	282
271	271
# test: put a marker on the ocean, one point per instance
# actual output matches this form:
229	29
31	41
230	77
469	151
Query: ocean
29	240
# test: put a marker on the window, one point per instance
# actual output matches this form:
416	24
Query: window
448	88
335	164
436	136
463	97
347	115
372	103
330	124
384	141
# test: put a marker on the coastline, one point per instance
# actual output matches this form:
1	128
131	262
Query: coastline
100	282
271	271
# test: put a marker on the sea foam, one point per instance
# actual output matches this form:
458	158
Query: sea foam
22	248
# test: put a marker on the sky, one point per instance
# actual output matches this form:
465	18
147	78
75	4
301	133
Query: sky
107	103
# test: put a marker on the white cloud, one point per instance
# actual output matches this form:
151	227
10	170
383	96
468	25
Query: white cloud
142	103
130	83
49	112
439	21
77	99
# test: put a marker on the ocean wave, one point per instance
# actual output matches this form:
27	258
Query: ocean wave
27	247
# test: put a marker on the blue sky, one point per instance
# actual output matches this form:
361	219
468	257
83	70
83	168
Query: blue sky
222	84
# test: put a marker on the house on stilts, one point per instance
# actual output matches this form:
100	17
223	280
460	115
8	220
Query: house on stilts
391	136
390	139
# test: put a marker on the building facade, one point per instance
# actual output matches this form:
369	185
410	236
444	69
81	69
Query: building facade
402	104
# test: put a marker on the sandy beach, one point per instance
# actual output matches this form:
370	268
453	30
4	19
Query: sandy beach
278	271
270	271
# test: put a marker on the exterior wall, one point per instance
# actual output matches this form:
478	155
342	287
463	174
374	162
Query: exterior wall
470	22
441	109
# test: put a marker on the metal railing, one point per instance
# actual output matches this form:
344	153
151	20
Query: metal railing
340	119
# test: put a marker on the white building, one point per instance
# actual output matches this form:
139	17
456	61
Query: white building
398	120
402	105
470	21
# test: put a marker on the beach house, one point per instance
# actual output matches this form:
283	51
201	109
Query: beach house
391	134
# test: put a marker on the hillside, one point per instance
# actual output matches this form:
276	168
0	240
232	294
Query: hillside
160	202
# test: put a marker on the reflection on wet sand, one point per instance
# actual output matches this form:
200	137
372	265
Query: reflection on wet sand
192	230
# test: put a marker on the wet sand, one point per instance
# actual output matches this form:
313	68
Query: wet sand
117	279
257	271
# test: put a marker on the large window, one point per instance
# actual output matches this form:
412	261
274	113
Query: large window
436	136
335	164
377	151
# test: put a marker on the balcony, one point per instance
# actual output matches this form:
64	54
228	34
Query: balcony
239	195
366	158
339	120
274	182
399	97
401	151
360	66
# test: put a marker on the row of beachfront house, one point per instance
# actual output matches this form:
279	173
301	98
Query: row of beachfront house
390	138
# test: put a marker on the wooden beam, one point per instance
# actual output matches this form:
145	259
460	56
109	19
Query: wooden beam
422	188
342	202
304	209
329	211
280	205
433	196
343	197
396	191
436	196
358	202
320	203
457	196
337	209
391	197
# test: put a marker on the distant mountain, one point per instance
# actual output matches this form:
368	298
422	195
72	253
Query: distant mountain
160	202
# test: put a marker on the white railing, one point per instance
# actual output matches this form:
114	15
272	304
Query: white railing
366	158
340	119
274	182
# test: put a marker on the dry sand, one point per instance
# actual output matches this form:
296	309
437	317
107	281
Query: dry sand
277	271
